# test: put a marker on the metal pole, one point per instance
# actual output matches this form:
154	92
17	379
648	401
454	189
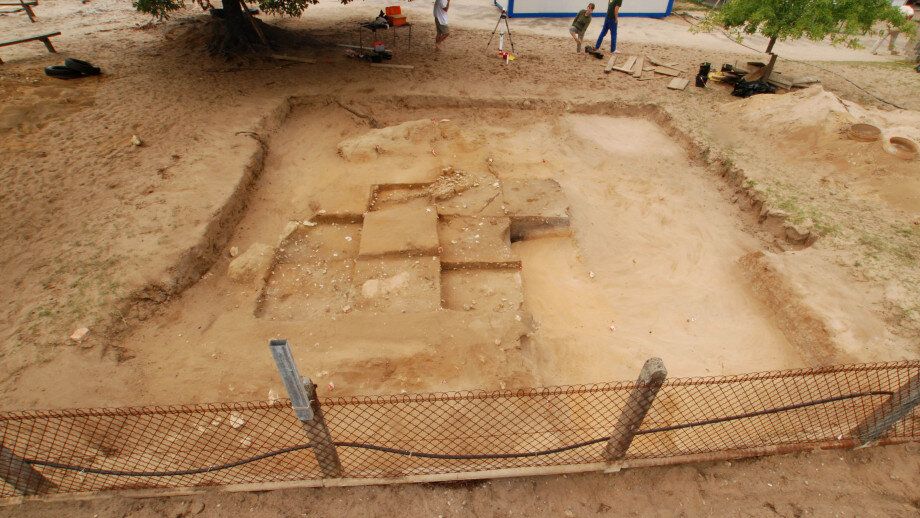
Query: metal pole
901	403
306	407
637	406
20	474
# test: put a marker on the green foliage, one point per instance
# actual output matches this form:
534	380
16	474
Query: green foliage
162	8
840	20
158	8
285	7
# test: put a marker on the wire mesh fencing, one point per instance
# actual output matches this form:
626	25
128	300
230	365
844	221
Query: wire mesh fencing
385	437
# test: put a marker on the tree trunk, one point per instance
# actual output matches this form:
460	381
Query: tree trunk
770	45
239	32
769	69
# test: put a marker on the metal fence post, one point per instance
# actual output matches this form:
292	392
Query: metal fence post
20	474
898	405
306	407
640	400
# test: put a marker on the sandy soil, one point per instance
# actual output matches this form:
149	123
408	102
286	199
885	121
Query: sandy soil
665	206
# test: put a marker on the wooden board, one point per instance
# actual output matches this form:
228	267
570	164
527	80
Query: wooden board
660	63
627	66
388	65
610	62
847	443
285	57
667	71
630	63
637	72
678	83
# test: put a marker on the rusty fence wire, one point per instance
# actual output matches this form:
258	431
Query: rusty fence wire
79	451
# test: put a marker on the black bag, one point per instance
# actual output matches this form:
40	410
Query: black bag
748	88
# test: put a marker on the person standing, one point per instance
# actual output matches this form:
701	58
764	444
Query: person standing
893	33
440	22
580	25
610	24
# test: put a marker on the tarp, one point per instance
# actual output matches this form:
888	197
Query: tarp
569	8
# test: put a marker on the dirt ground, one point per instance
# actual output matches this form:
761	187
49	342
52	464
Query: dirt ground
876	482
724	236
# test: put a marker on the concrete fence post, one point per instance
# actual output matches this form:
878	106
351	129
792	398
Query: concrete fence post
306	407
895	408
637	406
20	474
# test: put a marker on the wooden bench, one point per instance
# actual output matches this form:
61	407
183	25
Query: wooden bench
44	38
24	5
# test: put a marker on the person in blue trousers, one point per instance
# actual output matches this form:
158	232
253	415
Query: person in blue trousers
610	24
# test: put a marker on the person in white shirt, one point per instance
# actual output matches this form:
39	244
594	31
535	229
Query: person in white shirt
440	22
893	33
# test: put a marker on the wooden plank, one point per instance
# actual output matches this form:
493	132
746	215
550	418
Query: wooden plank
627	67
661	63
678	83
637	72
30	38
390	65
610	63
630	63
667	71
754	451
285	57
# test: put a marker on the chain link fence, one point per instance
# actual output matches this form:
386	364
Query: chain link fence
387	437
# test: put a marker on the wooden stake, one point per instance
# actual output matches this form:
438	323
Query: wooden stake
640	400
306	407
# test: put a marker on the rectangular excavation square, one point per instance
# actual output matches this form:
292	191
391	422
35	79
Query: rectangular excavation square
312	275
482	290
475	240
405	229
398	284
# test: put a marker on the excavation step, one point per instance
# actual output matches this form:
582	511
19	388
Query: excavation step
398	284
410	229
481	195
312	274
482	290
535	205
474	240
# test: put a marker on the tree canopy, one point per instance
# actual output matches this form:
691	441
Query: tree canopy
162	8
840	20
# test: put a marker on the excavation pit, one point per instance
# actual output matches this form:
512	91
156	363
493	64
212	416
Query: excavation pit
434	245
